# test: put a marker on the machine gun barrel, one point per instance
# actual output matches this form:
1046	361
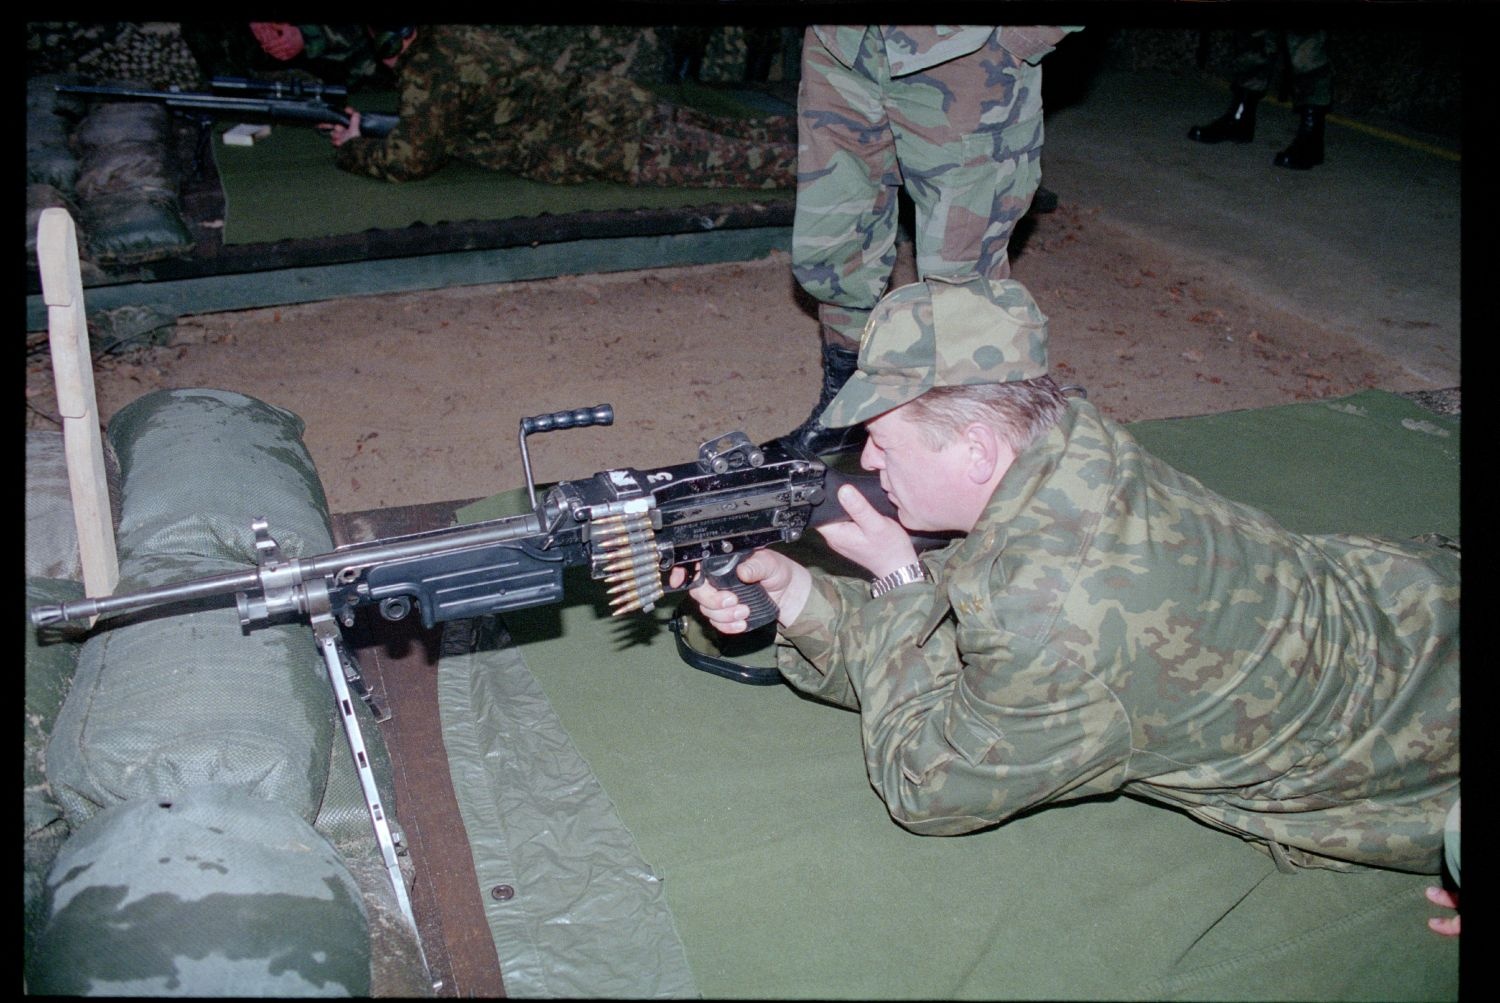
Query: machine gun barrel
129	602
342	563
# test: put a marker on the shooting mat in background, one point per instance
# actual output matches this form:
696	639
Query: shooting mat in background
286	187
749	808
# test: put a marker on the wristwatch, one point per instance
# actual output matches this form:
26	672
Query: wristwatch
901	576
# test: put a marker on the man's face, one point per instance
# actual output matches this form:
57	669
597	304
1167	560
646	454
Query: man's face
929	487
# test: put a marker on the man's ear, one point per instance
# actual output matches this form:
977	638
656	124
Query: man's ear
989	454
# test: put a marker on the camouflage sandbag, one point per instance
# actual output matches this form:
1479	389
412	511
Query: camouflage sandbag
41	196
51	655
132	168
50	159
134	228
163	703
208	893
127	184
109	124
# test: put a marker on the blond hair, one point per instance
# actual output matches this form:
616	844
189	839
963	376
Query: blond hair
1020	412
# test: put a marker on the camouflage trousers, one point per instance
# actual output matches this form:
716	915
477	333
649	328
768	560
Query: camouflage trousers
964	138
1258	54
680	146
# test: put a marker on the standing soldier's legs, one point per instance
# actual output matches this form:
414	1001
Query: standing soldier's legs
1312	93
969	141
1251	69
1312	71
1256	54
844	229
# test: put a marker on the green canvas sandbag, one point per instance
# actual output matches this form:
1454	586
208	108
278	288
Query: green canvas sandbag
211	893
164	702
51	656
51	534
198	466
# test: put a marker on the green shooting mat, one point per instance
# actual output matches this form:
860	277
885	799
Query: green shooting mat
286	187
785	877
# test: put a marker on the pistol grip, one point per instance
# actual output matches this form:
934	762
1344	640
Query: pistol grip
720	574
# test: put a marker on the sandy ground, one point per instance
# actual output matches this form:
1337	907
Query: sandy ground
415	397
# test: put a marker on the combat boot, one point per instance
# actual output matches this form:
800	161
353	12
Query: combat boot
813	439
1237	125
1306	150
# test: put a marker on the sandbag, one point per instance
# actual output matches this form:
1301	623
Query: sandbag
111	123
164	701
209	893
50	159
51	549
197	466
127	184
41	196
134	228
168	703
51	656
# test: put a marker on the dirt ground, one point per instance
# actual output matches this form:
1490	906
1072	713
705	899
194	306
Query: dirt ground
415	397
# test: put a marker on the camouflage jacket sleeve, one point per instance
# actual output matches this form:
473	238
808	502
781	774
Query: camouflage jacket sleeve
912	48
962	727
1030	43
433	110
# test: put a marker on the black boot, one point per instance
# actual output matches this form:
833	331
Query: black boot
1306	150
812	438
1236	125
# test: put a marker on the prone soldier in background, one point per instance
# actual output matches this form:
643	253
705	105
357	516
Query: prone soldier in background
468	92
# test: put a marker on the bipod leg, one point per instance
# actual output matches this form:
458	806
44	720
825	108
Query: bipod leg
326	633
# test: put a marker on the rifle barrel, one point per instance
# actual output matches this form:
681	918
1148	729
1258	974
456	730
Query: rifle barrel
399	548
201	588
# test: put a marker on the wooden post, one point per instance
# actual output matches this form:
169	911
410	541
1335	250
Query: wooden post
73	374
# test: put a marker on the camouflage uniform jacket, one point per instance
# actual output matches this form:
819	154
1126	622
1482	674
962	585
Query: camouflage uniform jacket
913	48
1111	624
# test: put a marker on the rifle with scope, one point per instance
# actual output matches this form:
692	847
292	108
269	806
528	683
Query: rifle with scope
307	102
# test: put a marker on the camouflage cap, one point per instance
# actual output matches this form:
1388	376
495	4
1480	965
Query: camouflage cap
941	333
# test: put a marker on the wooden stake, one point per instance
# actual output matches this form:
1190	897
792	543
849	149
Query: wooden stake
73	374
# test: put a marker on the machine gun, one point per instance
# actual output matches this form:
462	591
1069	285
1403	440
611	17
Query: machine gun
304	101
629	527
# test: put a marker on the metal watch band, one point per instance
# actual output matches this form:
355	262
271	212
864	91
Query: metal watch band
901	576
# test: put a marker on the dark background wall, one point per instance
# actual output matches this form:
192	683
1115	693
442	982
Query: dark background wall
1407	76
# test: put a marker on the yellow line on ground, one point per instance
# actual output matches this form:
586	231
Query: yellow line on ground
1396	137
1386	134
